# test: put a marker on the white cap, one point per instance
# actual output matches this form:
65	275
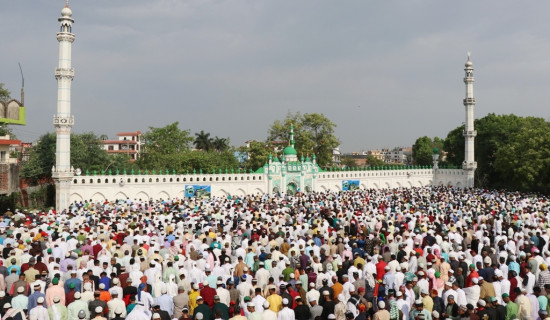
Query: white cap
20	290
285	301
381	304
332	316
199	316
157	316
40	300
56	299
98	309
102	286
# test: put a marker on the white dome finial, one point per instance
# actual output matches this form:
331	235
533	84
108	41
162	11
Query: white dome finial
66	12
469	62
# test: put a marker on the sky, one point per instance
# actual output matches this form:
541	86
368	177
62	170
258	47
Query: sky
385	72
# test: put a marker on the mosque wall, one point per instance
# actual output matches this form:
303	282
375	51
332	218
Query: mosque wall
101	187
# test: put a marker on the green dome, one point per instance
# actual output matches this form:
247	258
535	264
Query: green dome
435	151
290	150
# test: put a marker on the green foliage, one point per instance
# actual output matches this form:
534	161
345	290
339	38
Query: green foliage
86	154
207	161
203	141
511	152
423	149
4	93
348	162
313	134
163	146
257	154
374	162
220	144
7	130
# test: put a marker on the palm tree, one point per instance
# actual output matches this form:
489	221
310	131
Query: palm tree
220	144
203	141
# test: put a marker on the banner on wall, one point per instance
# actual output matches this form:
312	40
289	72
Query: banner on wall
199	191
349	185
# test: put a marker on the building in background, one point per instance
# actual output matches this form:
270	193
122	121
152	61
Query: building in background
127	143
398	155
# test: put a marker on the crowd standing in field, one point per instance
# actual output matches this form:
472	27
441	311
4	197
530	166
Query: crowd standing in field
411	254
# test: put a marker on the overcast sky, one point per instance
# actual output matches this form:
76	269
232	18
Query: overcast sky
386	72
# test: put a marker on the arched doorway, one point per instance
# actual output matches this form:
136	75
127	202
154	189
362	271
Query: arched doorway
291	188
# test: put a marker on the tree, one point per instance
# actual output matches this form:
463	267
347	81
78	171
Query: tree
257	154
372	161
348	162
523	163
422	151
508	151
313	134
208	161
4	93
203	141
220	144
163	147
86	153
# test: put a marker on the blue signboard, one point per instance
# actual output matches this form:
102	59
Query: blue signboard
193	190
349	185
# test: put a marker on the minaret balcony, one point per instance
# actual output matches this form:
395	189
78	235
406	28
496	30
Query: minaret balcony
469	133
65	36
469	165
64	73
468	101
59	121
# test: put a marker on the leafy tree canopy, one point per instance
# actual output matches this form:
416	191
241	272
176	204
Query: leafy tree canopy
86	153
163	147
423	148
313	134
511	152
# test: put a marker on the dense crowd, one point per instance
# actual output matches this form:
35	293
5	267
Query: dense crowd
411	254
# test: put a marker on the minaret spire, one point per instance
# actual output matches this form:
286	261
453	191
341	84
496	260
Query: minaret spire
469	164
292	135
63	121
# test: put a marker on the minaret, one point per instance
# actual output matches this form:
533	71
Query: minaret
292	136
469	165
63	121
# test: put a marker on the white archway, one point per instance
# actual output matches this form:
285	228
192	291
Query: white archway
98	196
163	195
75	197
120	195
142	195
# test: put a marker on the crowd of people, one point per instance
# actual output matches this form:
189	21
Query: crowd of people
404	254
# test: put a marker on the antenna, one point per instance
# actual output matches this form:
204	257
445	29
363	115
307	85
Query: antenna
22	85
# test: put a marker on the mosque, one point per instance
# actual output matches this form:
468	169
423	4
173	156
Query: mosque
287	175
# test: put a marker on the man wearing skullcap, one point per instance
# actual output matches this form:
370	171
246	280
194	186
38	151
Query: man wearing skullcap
39	311
55	290
57	311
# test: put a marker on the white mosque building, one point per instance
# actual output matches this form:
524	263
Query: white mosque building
278	176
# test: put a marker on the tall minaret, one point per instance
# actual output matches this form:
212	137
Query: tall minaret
469	165
63	121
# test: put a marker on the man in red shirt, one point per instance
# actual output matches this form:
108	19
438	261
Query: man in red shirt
380	268
473	274
208	294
